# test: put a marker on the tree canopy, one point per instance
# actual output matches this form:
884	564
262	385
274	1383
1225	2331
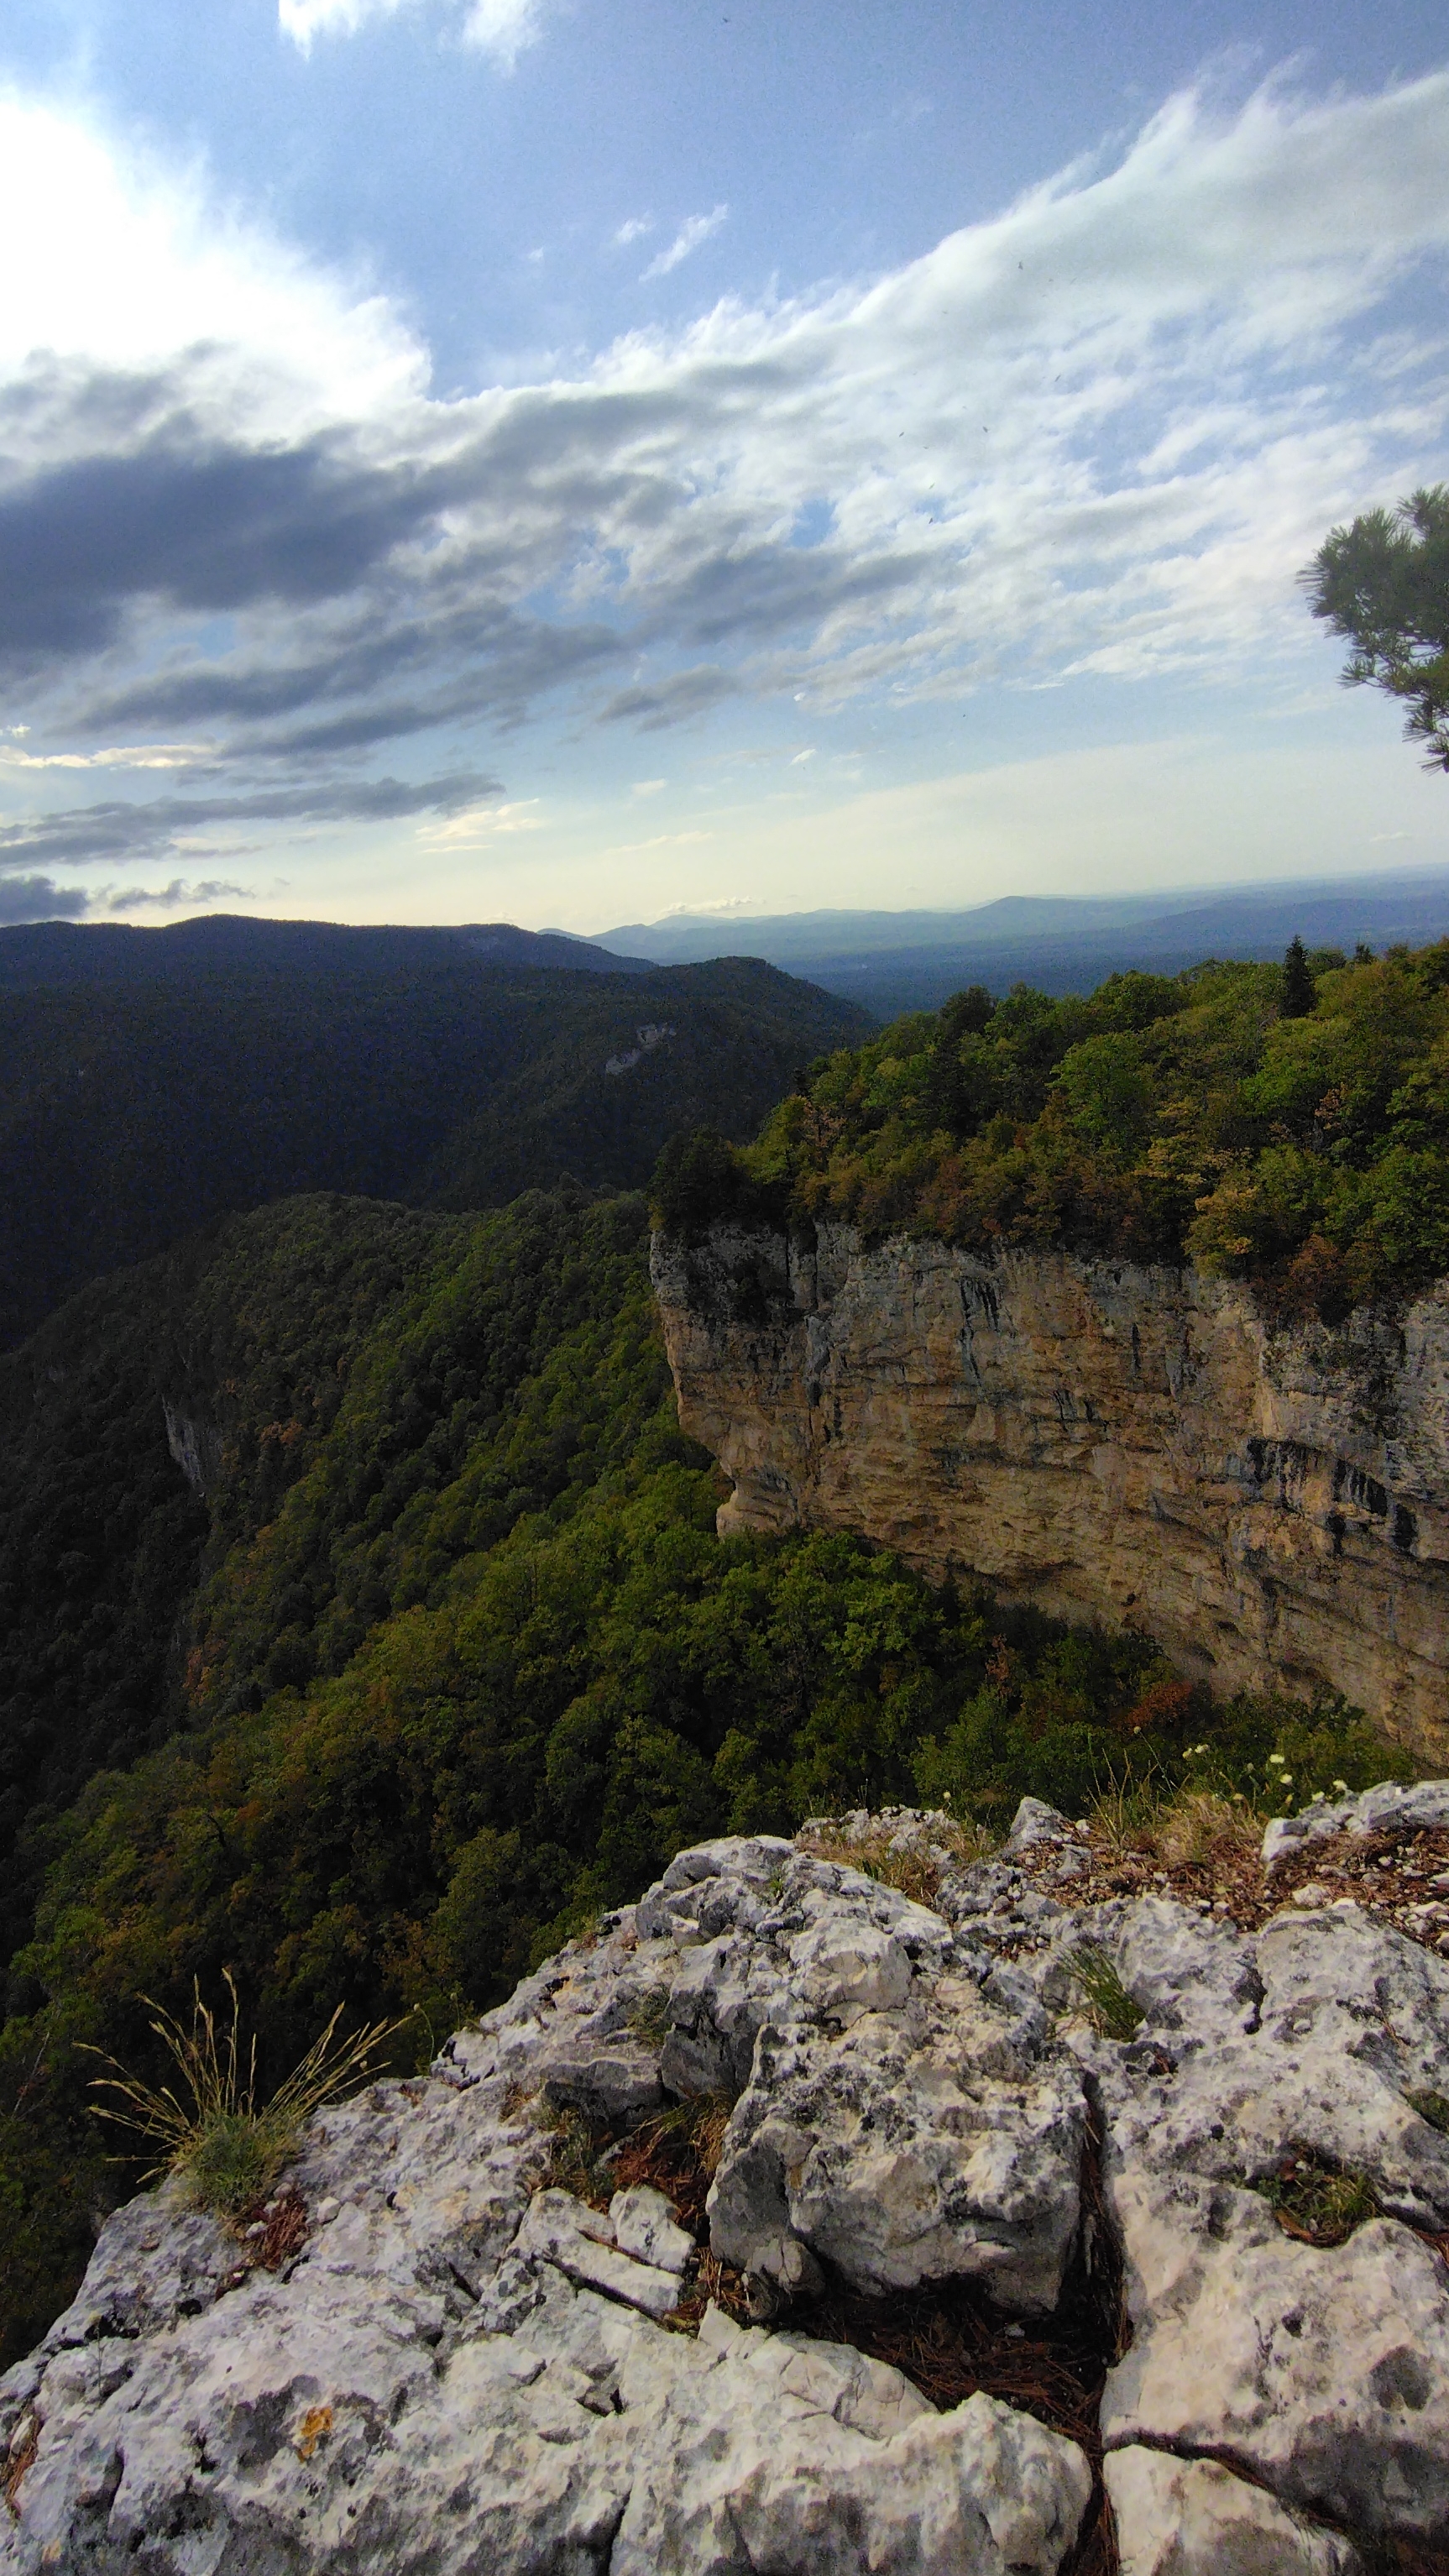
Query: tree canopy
1286	1125
1383	582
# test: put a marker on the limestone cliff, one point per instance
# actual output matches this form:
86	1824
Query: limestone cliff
1136	1445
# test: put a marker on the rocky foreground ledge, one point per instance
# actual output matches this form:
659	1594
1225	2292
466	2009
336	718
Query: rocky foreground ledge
791	2224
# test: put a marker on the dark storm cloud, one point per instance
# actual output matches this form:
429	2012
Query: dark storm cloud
113	830
39	899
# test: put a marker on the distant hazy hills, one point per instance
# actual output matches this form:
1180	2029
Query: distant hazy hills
910	961
151	1081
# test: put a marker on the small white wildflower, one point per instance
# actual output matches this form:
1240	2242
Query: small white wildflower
1343	1785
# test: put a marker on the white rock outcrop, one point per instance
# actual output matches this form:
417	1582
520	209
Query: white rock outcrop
467	2369
1193	2518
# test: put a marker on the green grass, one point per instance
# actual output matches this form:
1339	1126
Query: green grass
1108	2006
1318	2201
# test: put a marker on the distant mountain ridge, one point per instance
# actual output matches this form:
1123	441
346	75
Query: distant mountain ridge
135	1107
37	954
903	961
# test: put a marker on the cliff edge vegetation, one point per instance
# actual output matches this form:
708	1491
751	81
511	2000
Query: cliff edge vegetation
1289	1126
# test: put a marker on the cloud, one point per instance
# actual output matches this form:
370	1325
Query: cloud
1095	434
658	841
149	755
691	233
205	527
171	898
108	831
140	298
502	28
653	705
633	230
648	786
40	899
724	903
477	823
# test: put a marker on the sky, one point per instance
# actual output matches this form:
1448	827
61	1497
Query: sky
572	461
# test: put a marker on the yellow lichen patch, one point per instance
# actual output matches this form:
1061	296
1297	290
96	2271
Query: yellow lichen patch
315	2426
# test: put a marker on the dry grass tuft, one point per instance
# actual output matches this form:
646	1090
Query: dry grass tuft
1122	1823
649	2017
575	2158
1201	1830
909	1865
227	2148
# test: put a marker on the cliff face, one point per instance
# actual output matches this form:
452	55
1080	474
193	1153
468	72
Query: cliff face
1135	1445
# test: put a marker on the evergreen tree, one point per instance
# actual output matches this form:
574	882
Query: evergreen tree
1300	994
1383	583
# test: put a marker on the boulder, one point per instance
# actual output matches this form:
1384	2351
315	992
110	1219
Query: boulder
1321	2369
921	2143
1194	2518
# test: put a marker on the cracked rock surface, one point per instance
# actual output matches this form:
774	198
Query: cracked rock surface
468	2369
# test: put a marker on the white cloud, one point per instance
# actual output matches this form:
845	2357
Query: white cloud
648	786
658	841
697	229
502	28
633	230
724	903
478	823
150	755
129	265
1095	435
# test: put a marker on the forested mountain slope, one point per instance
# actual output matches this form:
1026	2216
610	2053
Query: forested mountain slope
129	1117
443	1655
122	956
1288	1125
